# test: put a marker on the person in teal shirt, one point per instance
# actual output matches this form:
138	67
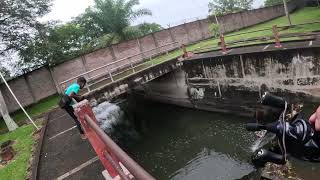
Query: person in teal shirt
73	93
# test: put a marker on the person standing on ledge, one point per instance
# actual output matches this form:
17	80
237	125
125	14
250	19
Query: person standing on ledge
72	92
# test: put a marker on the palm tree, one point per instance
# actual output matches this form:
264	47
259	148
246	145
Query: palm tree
115	17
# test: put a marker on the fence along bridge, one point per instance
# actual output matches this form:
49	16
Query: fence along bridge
113	79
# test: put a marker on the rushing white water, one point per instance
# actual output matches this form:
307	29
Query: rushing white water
108	115
112	120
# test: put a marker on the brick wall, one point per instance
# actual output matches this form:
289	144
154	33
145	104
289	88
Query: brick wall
68	70
20	88
97	59
41	84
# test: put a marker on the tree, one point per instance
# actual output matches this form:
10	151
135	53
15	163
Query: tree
5	72
53	44
108	22
114	17
147	28
18	20
220	7
214	29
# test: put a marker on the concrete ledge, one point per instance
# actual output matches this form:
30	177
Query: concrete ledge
36	154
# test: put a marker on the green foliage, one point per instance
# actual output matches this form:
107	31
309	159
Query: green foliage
214	29
108	22
147	28
17	169
5	72
115	16
18	21
273	2
220	7
53	44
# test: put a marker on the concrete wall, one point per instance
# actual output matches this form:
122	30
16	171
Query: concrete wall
235	83
40	84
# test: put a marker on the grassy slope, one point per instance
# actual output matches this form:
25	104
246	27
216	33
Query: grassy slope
304	15
34	110
17	169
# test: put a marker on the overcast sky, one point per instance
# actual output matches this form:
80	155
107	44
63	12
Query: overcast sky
164	11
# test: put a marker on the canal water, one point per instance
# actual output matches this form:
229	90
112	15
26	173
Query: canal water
178	143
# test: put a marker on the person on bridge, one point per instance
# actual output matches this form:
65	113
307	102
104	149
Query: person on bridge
72	92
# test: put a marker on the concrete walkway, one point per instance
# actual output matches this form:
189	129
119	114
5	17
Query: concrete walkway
64	154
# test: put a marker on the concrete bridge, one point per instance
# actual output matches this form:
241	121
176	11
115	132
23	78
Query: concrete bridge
233	83
116	78
292	68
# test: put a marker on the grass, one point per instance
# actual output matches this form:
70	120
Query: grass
33	110
307	14
24	141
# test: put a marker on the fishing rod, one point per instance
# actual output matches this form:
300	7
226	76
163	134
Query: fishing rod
295	135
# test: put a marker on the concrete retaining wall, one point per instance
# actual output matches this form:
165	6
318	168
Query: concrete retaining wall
236	83
40	84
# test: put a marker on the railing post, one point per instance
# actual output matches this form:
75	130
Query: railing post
223	44
184	50
110	74
152	64
276	36
88	88
131	65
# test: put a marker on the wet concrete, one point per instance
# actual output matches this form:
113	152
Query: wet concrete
63	153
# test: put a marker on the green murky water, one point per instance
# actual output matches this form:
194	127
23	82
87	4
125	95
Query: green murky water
180	143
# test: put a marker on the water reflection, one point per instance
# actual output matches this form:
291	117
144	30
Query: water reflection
220	166
181	143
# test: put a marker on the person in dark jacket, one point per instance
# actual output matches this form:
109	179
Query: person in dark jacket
73	93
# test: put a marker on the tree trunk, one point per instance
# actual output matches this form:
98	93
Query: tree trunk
5	114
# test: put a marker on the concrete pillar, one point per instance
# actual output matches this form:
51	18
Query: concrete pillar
84	67
55	81
171	35
187	30
141	49
155	41
5	114
113	55
26	78
201	29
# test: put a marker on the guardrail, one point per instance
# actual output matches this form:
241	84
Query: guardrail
273	33
127	64
117	164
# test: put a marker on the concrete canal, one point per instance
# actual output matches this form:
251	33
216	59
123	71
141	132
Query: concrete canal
180	143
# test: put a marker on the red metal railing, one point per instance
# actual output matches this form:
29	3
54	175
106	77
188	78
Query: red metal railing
116	162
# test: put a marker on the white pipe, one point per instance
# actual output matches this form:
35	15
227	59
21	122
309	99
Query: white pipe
14	96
